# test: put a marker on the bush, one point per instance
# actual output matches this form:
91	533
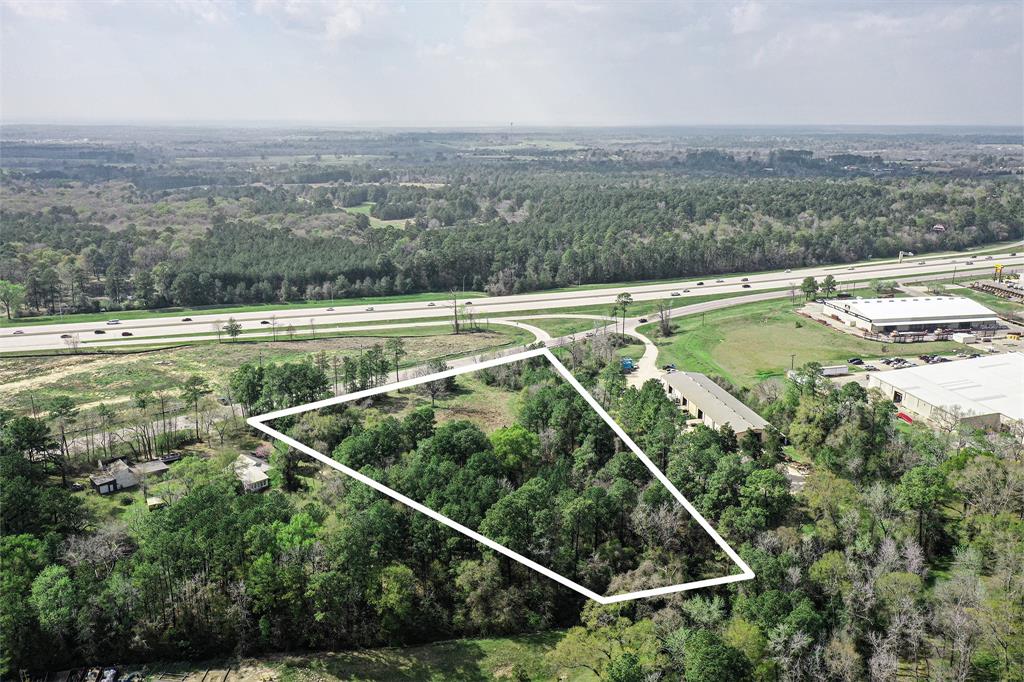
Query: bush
126	500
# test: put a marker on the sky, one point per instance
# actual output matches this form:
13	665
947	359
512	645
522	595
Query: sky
366	62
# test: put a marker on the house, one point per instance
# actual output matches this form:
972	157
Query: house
711	404
116	476
120	476
251	472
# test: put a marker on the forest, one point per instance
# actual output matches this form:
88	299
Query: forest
900	555
154	218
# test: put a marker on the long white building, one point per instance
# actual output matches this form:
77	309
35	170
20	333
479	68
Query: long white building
928	313
986	391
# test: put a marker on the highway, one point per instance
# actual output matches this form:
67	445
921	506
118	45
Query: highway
203	326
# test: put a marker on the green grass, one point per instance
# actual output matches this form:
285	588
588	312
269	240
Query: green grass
365	208
467	660
999	305
563	326
749	343
114	377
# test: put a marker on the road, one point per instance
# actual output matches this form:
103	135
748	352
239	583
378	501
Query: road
163	329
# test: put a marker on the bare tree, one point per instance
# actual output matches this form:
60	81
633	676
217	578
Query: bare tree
72	343
455	310
665	318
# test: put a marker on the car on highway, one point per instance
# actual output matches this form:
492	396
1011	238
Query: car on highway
745	279
330	310
850	268
19	332
369	309
921	262
676	293
988	257
700	284
186	319
113	322
127	334
719	280
264	322
98	331
970	262
789	270
65	336
745	286
469	303
431	304
1014	253
686	291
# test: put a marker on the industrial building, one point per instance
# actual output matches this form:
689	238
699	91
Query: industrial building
712	404
987	392
922	314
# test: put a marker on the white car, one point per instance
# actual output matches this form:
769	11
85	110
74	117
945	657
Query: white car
431	304
113	321
19	332
788	270
370	309
675	293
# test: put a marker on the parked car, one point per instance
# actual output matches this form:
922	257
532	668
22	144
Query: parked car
670	365
127	334
855	361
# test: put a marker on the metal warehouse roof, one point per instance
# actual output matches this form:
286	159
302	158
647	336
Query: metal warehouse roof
979	386
920	310
717	403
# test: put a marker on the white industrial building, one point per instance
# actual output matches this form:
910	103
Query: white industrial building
985	392
712	404
921	314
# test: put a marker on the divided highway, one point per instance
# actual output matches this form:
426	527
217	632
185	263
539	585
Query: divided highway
159	329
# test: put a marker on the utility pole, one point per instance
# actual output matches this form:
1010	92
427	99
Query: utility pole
792	360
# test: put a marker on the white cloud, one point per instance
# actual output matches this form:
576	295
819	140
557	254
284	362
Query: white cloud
46	10
333	20
747	18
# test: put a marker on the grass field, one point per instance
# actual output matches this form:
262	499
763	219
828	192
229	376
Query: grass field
999	305
563	326
365	209
753	342
466	660
114	377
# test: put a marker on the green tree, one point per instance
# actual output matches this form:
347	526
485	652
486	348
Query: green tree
810	288
11	297
622	302
924	490
192	392
395	347
709	659
233	328
829	286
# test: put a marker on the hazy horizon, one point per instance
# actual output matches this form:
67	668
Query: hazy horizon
370	64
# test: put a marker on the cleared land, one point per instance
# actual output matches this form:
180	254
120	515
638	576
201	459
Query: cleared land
749	343
365	208
114	377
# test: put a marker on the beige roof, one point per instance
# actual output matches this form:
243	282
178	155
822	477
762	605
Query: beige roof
715	402
979	386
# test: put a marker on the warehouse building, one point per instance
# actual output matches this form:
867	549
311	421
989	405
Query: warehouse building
712	404
987	392
924	314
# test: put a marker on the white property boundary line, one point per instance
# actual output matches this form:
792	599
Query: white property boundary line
259	422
